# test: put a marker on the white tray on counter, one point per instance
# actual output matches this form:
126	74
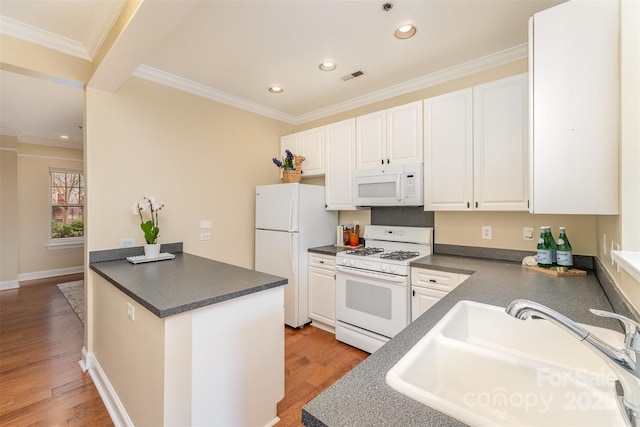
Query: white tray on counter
139	259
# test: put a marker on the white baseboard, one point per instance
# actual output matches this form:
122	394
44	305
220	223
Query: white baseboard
109	397
273	422
50	273
9	284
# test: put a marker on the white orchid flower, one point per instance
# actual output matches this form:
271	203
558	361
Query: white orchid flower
135	208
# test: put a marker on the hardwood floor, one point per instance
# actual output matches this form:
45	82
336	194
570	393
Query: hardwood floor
313	361
41	383
41	340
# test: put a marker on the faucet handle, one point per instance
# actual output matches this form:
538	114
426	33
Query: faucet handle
631	328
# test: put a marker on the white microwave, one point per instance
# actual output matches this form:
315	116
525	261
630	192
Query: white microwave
389	186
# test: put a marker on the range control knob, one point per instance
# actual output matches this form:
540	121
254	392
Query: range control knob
392	269
383	267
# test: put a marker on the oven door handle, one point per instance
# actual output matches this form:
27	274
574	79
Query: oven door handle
372	275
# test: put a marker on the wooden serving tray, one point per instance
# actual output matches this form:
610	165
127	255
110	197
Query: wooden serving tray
557	271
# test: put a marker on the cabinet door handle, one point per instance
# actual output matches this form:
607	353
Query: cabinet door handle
467	205
476	204
382	161
413	293
433	280
387	161
321	262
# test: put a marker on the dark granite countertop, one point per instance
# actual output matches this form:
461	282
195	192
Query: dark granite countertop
327	250
185	283
362	398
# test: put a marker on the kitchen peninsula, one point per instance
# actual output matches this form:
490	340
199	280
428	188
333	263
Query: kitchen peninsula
187	341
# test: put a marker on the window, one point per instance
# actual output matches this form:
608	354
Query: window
67	204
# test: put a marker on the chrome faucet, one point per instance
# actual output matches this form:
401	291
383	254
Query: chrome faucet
625	362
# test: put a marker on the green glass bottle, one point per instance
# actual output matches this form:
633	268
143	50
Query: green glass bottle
552	244
564	253
544	251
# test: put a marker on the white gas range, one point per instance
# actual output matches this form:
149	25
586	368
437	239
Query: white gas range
373	284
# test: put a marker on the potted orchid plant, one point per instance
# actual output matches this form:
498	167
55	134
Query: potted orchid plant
150	227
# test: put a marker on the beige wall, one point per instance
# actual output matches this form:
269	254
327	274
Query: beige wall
34	223
8	211
201	158
625	228
130	353
25	214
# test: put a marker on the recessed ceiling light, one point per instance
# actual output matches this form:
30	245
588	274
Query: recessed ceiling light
327	66
405	32
64	137
276	89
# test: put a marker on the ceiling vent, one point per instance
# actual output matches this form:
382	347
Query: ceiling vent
352	75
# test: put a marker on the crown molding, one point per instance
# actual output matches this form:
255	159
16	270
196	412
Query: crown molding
451	73
167	79
486	62
101	23
27	32
41	140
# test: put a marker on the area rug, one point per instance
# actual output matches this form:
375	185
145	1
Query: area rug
74	293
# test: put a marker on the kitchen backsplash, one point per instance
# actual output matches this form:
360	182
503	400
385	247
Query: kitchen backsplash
408	216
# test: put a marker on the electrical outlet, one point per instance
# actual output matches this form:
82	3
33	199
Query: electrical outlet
527	233
205	236
486	232
128	242
131	312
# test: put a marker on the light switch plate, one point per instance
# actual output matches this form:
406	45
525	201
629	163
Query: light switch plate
205	223
527	233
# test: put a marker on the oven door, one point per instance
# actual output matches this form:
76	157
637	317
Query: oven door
376	302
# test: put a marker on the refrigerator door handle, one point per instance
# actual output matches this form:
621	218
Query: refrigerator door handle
291	257
291	206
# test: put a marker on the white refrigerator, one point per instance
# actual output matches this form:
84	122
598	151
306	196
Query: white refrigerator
290	219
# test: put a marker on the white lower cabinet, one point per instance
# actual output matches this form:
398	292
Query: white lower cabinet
322	291
429	286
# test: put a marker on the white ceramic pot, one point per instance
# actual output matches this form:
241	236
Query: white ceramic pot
152	251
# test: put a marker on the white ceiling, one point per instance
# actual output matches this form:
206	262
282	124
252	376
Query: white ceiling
233	51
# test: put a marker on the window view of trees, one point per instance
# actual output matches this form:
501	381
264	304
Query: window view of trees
67	204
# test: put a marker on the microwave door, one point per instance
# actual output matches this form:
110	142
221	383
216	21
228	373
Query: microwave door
378	190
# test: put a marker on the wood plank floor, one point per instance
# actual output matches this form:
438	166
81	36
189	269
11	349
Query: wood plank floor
41	383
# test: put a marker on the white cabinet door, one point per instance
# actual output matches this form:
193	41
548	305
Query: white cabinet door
312	148
310	144
575	108
291	143
476	148
371	140
500	144
340	156
423	299
404	133
322	291
448	152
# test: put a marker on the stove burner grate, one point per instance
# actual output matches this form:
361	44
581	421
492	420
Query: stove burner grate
400	255
365	251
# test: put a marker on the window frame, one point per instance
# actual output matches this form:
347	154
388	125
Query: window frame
55	243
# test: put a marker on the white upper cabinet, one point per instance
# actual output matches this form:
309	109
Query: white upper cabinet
475	152
448	151
392	136
574	58
310	144
340	156
404	133
500	145
371	140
